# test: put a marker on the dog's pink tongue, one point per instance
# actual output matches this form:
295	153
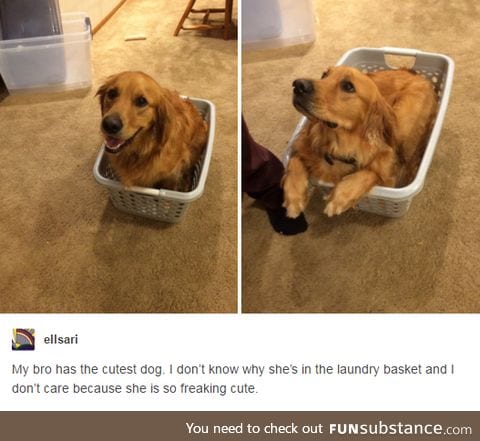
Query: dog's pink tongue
112	142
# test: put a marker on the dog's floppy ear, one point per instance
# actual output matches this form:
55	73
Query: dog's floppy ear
380	122
101	93
102	90
165	108
160	122
380	128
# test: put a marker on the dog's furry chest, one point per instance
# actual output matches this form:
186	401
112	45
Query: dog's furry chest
330	155
145	171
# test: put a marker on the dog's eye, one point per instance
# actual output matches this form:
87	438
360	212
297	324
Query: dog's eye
140	101
325	74
347	86
112	94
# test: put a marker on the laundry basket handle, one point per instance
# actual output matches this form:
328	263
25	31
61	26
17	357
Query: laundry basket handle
400	51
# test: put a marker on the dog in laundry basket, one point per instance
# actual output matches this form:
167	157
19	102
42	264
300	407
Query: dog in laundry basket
363	130
153	137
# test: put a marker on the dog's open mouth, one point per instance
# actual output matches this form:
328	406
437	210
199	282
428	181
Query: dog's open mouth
115	145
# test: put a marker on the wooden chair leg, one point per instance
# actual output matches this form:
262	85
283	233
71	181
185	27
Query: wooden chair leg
228	18
184	16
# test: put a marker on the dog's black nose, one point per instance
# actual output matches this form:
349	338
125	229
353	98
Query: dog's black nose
302	87
112	124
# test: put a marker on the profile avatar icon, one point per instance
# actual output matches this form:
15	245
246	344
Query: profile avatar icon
23	339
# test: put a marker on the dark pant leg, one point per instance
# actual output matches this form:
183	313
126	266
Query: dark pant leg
262	172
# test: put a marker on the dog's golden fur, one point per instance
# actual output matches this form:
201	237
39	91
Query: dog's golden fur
363	130
162	136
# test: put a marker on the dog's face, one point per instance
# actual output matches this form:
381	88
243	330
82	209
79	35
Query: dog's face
342	98
130	104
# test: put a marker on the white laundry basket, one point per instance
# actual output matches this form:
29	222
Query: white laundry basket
159	204
394	202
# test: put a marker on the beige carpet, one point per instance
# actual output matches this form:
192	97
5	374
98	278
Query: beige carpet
63	247
428	261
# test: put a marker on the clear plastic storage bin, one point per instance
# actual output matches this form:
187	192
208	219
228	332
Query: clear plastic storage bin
269	24
159	204
51	63
394	202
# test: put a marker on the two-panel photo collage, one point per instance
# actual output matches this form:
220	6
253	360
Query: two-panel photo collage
239	156
239	220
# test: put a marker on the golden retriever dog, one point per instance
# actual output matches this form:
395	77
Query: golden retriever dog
153	137
363	130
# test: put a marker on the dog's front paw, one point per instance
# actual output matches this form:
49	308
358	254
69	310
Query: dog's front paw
333	209
295	199
337	203
295	188
294	208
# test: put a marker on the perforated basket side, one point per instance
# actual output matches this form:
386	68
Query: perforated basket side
384	207
152	206
158	208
